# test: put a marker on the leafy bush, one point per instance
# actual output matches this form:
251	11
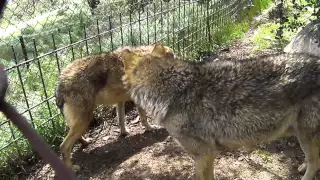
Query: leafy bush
301	12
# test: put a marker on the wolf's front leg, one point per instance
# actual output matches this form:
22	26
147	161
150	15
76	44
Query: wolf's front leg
202	153
204	167
144	120
121	120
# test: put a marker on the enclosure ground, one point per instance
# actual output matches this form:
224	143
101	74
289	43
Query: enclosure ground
155	156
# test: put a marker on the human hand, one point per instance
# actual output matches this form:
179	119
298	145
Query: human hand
3	82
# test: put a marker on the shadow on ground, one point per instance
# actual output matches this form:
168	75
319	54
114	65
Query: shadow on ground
110	155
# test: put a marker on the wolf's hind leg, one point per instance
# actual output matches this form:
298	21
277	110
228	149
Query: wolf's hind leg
78	123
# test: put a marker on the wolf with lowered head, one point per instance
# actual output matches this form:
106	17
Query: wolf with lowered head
91	81
229	104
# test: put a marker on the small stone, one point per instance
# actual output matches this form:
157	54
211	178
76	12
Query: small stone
240	158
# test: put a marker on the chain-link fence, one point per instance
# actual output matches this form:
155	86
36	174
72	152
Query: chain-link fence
40	37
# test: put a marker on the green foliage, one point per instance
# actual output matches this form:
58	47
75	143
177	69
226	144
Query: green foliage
263	4
264	155
258	6
230	32
299	14
265	37
284	24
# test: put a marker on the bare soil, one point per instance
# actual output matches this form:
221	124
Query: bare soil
156	156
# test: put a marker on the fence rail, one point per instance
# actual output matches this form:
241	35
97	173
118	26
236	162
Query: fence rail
40	37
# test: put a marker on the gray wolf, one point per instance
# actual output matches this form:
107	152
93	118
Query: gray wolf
91	81
231	104
306	40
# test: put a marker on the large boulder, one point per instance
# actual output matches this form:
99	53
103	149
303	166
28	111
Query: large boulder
307	40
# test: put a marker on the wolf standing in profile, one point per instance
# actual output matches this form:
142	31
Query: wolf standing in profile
91	81
230	104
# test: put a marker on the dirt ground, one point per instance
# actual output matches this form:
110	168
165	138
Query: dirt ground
155	156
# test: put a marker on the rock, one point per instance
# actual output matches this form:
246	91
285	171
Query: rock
307	40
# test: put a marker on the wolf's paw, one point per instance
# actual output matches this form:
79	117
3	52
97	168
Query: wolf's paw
302	168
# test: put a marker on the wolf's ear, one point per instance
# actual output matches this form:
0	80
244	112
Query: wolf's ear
129	59
159	50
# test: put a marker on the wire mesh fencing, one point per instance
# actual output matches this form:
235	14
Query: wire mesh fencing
40	37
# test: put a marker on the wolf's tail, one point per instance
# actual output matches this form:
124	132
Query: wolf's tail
59	97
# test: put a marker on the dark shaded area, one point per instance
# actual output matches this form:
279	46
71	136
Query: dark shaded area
2	7
114	153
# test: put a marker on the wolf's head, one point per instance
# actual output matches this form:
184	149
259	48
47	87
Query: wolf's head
139	67
143	50
163	51
143	78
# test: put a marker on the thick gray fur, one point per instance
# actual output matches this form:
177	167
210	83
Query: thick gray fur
233	104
